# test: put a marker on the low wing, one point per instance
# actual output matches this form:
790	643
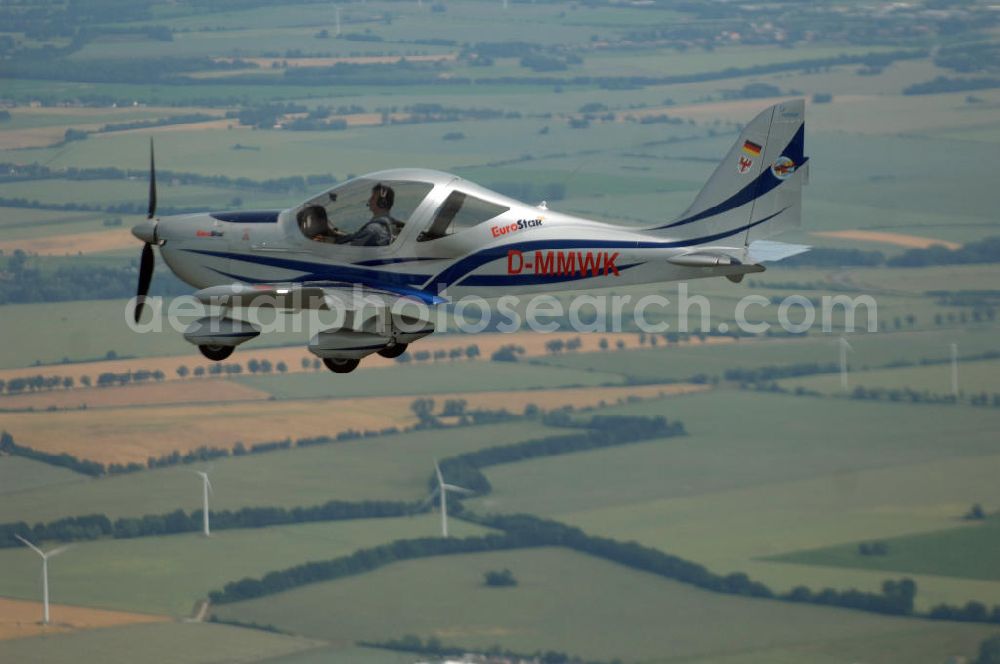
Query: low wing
298	296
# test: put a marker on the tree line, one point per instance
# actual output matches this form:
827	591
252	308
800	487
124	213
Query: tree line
97	526
521	531
10	172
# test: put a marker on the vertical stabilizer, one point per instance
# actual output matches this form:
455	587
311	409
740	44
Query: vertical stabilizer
757	189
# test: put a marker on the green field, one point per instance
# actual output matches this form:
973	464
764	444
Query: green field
157	643
965	552
168	575
425	379
20	474
385	468
739	488
572	602
667	362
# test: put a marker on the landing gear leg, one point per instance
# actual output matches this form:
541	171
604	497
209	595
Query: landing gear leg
216	353
393	351
340	366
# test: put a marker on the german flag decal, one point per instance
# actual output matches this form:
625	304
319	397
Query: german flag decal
751	148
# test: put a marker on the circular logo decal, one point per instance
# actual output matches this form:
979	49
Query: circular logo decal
783	168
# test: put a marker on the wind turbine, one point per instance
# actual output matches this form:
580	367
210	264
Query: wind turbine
206	488
441	491
844	347
45	574
954	369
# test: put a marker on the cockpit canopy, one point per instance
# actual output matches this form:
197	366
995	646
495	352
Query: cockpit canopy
374	211
349	213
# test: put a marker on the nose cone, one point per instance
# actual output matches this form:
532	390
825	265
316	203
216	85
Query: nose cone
145	231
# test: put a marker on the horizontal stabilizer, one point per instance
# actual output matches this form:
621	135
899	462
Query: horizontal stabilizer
768	251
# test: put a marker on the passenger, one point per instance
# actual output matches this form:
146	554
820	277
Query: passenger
315	224
382	227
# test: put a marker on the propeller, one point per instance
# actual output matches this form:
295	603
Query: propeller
147	233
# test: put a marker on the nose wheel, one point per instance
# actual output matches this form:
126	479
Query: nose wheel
340	366
216	353
393	351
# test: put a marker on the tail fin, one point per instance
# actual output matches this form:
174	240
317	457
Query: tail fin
757	189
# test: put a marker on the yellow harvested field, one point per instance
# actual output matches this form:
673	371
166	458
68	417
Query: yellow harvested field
73	243
222	123
174	392
897	239
578	397
123	435
20	618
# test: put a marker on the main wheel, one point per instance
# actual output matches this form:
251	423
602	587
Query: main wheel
393	351
216	353
340	366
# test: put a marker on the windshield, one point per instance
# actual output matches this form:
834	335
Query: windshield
362	212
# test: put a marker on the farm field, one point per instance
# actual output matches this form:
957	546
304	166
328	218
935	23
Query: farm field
428	380
157	430
736	490
679	363
168	575
19	619
395	467
974	378
20	474
959	551
567	601
156	643
608	110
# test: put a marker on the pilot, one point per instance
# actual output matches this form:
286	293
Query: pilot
314	223
382	227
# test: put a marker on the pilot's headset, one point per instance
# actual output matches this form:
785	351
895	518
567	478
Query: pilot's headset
384	196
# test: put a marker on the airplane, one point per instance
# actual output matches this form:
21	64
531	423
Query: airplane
421	235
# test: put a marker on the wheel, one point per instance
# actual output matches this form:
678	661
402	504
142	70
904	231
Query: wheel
216	353
340	366
393	351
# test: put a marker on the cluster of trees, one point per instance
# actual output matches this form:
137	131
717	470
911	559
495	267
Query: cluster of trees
971	612
35	383
435	648
96	526
186	118
943	84
8	446
499	578
597	432
555	346
10	172
507	353
986	250
771	373
75	282
469	352
876	548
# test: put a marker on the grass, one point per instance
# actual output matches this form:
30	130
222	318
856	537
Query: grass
20	474
965	552
156	643
564	601
387	468
168	575
427	379
760	475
